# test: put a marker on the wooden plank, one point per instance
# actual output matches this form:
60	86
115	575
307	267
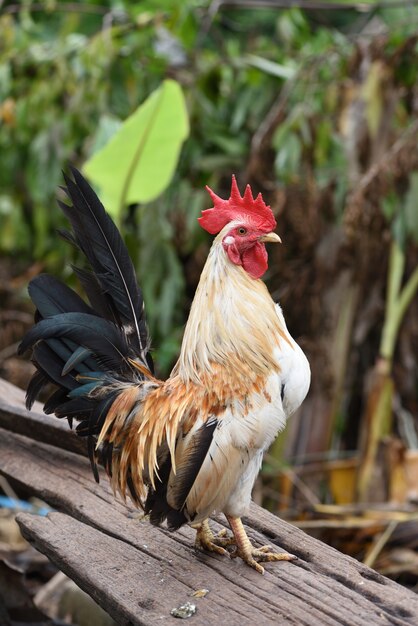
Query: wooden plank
133	587
14	396
15	417
322	588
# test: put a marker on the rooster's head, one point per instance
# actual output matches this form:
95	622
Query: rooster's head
245	225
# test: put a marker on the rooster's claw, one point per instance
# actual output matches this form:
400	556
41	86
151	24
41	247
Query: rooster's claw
206	540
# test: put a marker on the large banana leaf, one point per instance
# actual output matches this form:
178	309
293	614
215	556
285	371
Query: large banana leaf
138	162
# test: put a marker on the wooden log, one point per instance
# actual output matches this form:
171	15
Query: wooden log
121	561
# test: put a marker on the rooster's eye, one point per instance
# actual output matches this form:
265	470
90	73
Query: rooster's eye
242	231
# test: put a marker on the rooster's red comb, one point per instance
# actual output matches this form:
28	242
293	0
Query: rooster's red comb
255	211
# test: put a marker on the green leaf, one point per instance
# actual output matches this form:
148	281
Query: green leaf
270	67
288	158
138	162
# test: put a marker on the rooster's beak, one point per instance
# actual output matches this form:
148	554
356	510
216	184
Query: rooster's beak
270	238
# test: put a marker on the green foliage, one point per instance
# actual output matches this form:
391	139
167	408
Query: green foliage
402	214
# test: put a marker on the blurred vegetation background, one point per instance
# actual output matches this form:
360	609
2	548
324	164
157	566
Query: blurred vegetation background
316	106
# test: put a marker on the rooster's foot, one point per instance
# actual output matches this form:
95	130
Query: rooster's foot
206	540
253	556
248	553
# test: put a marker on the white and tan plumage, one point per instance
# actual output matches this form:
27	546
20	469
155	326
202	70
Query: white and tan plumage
192	445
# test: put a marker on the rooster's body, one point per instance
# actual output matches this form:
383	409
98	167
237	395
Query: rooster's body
193	444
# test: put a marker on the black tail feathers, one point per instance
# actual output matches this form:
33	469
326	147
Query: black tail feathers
88	351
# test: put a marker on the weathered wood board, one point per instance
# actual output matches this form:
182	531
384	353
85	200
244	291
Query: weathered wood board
35	424
139	573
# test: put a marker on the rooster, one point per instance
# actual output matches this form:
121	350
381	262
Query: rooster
193	444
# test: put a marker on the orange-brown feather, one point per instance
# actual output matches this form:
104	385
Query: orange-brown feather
157	419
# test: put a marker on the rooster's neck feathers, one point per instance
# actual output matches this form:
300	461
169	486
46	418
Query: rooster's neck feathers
224	325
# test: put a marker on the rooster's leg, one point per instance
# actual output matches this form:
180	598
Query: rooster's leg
248	553
206	540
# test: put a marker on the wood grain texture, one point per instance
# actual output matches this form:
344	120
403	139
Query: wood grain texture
35	424
138	573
